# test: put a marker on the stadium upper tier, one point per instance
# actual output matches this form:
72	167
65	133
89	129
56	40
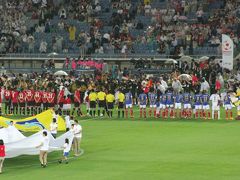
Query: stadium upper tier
83	27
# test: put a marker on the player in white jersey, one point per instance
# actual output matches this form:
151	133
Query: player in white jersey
215	98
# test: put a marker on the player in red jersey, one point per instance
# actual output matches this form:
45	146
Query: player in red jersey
21	102
7	97
14	99
77	102
61	99
38	101
1	90
51	98
67	105
44	99
30	100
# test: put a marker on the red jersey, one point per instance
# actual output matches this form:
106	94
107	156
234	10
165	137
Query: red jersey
2	151
77	96
14	96
44	96
29	95
7	94
61	96
38	96
21	97
51	97
67	101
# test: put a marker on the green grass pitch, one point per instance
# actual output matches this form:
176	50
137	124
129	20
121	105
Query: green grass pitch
158	149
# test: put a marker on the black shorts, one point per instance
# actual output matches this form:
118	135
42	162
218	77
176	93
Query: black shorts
120	105
61	104
110	105
92	104
76	104
38	104
30	103
15	104
101	104
50	104
45	104
22	104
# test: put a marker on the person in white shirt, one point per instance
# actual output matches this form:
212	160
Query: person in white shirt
53	128
66	149
77	131
44	147
67	122
215	98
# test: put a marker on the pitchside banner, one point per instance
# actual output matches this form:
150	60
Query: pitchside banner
227	52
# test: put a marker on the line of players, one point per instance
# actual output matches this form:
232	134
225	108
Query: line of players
31	101
165	105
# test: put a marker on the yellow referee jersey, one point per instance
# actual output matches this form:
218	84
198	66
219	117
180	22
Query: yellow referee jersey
92	96
101	96
110	98
121	97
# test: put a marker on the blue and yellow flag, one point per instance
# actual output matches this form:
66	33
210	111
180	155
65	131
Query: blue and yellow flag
34	123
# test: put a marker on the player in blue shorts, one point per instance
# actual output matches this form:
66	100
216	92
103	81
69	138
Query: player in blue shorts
178	99
142	99
198	105
129	103
205	105
228	106
187	111
169	104
152	97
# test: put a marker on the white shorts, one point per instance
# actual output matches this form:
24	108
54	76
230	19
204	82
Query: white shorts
169	105
143	106
206	107
215	108
162	106
197	107
153	105
187	106
178	105
66	106
0	104
128	105
228	106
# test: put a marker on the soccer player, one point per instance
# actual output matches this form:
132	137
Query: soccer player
44	99
129	103
152	101
142	99
21	100
61	99
162	106
7	97
38	100
205	107
93	99
227	106
101	96
169	105
30	100
110	101
198	105
178	105
51	97
14	99
121	99
215	98
187	112
77	102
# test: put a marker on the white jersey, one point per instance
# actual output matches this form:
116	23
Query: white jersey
67	121
53	128
45	144
77	130
215	98
66	147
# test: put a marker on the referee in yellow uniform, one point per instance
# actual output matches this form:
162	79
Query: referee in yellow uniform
93	102
110	103
121	99
101	97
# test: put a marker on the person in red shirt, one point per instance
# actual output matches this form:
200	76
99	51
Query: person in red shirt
1	101
44	99
77	102
61	99
67	105
37	101
21	100
2	154
30	100
14	99
51	98
7	96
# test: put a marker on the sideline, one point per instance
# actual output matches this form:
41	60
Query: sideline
50	162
